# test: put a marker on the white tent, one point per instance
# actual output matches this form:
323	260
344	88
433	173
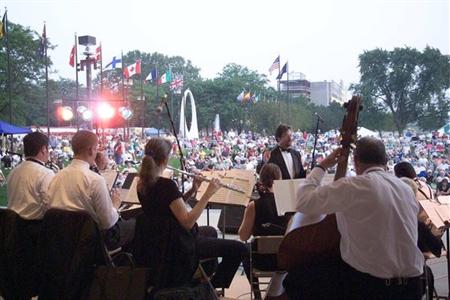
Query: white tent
363	132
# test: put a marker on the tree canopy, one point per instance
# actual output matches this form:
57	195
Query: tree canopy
409	84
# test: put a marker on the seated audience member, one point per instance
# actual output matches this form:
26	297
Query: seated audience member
160	197
443	187
28	182
76	188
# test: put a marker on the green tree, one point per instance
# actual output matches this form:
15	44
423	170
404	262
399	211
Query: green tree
27	75
408	83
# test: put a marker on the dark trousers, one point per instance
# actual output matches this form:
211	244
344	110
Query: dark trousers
334	279
120	235
232	254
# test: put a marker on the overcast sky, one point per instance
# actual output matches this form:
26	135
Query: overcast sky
321	38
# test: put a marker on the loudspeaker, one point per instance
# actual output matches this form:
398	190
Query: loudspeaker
87	40
233	215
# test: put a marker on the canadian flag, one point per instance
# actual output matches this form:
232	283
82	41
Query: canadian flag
72	57
132	69
98	53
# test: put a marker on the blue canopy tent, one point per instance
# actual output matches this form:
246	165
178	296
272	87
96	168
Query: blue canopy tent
6	128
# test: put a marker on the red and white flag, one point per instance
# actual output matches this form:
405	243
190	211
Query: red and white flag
72	57
132	69
98	53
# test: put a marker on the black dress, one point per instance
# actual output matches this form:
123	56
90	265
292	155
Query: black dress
161	243
266	213
157	199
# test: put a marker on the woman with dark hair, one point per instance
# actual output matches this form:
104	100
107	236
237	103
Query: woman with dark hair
261	217
160	198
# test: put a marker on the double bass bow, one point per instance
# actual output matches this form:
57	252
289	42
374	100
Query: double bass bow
310	238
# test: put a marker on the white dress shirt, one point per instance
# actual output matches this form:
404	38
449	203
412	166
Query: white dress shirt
76	188
27	187
377	217
287	157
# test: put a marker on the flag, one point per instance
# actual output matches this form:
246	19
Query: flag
72	56
166	77
98	53
153	75
240	97
177	84
275	65
247	96
115	63
43	42
283	70
4	25
132	69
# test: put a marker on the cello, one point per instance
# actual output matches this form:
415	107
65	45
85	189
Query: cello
313	238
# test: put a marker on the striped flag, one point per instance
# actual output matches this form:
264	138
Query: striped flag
177	84
275	65
98	53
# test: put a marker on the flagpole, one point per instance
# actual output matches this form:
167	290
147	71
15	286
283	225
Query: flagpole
143	100
77	95
46	78
123	95
157	96
288	99
278	96
9	66
101	70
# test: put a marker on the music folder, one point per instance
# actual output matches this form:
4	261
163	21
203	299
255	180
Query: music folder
285	192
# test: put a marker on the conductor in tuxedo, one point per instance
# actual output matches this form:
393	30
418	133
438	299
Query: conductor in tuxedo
288	159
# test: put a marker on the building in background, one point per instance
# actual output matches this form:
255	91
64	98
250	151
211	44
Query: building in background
298	85
325	92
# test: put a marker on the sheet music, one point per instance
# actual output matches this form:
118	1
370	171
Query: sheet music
444	199
444	212
110	177
431	209
131	196
285	192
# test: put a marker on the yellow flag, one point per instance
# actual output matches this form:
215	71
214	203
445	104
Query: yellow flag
3	28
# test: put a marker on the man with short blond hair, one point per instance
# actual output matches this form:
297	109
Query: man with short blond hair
77	188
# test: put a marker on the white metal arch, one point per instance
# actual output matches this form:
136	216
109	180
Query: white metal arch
190	133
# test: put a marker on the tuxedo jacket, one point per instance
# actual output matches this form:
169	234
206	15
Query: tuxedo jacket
277	158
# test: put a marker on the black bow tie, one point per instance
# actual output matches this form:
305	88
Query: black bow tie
286	150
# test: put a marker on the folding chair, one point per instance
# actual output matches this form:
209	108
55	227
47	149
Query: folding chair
263	250
70	248
18	258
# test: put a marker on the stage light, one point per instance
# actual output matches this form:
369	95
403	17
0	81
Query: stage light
105	111
81	109
66	113
87	115
125	112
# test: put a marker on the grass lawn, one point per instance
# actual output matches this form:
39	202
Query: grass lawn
3	198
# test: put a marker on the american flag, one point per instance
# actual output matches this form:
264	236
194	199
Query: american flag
275	65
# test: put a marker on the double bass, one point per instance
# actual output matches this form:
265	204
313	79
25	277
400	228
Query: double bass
314	238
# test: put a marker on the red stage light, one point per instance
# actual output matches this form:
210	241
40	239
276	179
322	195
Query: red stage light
105	111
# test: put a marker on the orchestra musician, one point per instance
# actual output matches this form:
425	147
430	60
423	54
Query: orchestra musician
376	216
261	217
288	159
160	197
77	188
28	182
